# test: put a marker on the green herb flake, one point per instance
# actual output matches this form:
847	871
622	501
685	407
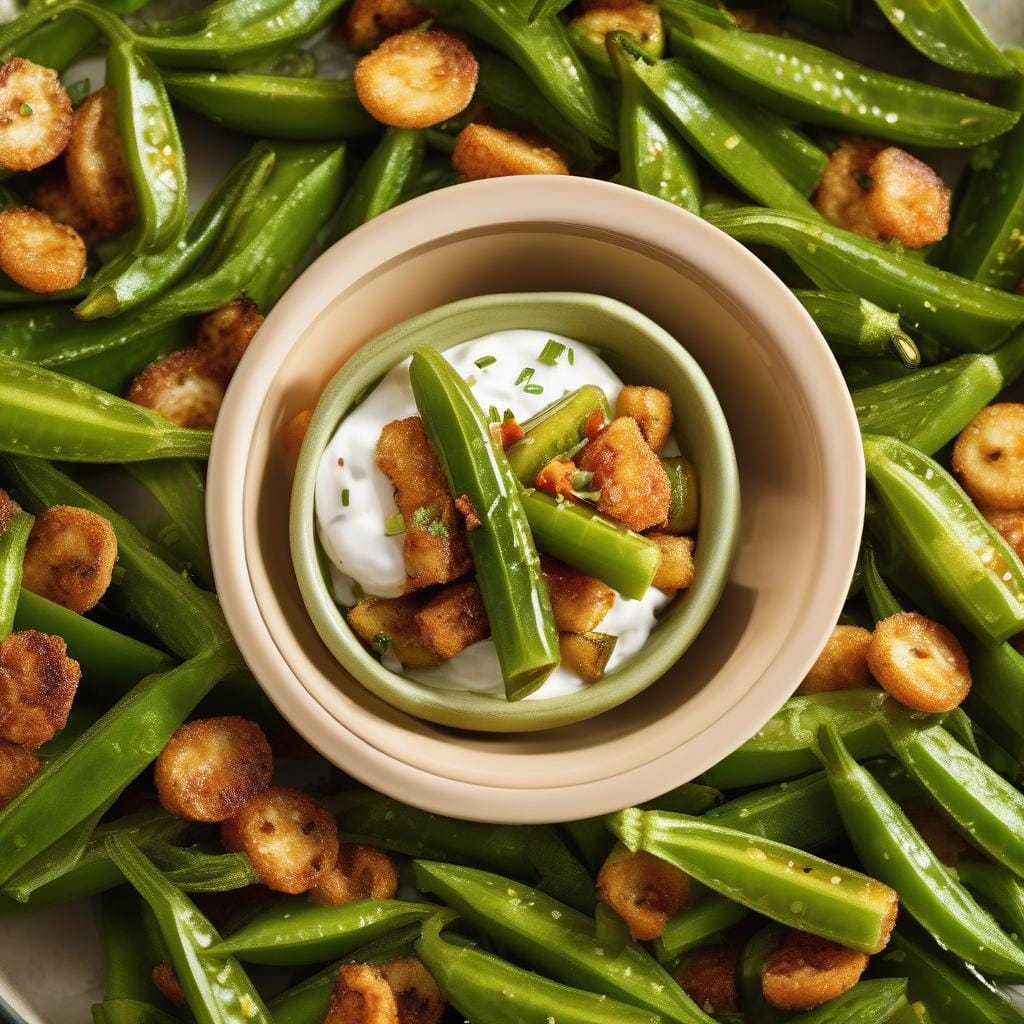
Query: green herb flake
534	389
394	525
582	479
422	516
551	351
571	356
484	361
525	376
25	110
345	498
493	416
381	643
437	528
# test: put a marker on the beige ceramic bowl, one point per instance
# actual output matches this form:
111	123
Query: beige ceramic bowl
797	447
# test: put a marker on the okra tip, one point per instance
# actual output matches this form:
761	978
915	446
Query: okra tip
628	827
830	750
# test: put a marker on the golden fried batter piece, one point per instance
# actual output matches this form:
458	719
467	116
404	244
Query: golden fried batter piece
1010	526
362	995
416	79
633	486
579	602
389	624
291	839
942	839
38	682
643	890
181	388
708	976
293	433
843	664
435	538
38	253
18	766
211	767
919	662
70	557
416	993
167	984
367	21
35	115
806	971
97	171
676	569
54	197
586	654
483	151
988	457
640	20
453	619
8	506
224	335
652	410
359	873
883	193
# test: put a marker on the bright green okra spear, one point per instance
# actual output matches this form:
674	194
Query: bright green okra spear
15	526
856	328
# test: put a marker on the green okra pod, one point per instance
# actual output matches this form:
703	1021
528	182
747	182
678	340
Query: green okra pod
588	33
781	882
684	494
876	1001
696	926
129	955
15	527
996	698
881	601
550	936
1000	891
749	970
834	15
889	846
854	327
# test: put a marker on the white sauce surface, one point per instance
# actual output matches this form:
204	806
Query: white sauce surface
354	499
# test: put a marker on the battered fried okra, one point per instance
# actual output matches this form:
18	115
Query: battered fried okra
579	602
676	569
38	682
54	197
806	971
224	335
359	873
368	20
843	664
362	995
167	984
988	457
181	387
1010	526
388	624
708	976
643	890
652	410
18	765
38	253
483	151
35	115
70	557
453	619
416	993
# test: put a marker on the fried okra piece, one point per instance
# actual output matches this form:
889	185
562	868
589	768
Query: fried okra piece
988	457
1010	526
843	664
291	839
435	541
416	993
643	890
54	197
367	21
388	624
38	682
483	151
180	387
224	335
587	654
629	476
8	506
70	557
38	253
944	841
453	619
167	983
806	971
676	569
919	662
708	976
35	115
579	602
652	410
362	995
416	79
97	171
211	767
883	193
293	433
359	873
18	766
640	20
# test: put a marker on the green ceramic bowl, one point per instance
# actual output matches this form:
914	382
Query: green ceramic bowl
640	352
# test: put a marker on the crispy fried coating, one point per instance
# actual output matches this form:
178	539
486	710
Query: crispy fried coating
416	79
416	993
293	433
97	171
806	971
211	767
224	335
676	569
180	387
38	253
640	20
643	890
944	841
708	976
291	839
579	602
38	682
70	557
883	193
54	197
843	664
988	457
167	984
8	506
359	873
362	995
35	115
483	151
367	21
919	662
18	765
389	624
633	485
586	654
1010	526
453	619
652	410
435	538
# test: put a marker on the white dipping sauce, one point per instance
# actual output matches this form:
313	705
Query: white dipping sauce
354	498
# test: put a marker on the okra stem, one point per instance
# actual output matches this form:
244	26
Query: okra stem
13	540
856	328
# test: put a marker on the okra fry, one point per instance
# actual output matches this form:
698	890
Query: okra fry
15	526
854	327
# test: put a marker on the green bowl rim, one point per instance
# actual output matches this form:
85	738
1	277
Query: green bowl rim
466	709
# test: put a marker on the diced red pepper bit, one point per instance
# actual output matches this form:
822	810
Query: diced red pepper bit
556	479
507	432
594	424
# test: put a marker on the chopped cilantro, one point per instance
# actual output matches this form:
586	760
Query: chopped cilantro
550	352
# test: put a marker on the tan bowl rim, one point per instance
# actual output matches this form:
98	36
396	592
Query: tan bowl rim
607	210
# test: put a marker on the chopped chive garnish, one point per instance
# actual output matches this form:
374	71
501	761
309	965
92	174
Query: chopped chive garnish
582	479
509	415
344	498
394	524
572	355
534	389
25	109
525	376
421	517
381	642
438	529
484	361
493	416
550	352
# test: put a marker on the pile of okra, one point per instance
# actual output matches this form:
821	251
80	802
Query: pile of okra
860	860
